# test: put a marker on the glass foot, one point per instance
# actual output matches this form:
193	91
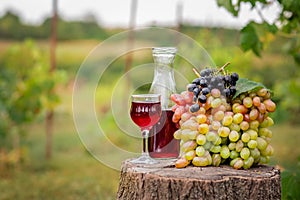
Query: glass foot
144	160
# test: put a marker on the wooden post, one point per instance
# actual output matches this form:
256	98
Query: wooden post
164	181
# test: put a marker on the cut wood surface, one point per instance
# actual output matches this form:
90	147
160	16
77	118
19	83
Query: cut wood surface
164	181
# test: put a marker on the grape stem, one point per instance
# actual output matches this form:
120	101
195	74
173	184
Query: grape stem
196	72
223	67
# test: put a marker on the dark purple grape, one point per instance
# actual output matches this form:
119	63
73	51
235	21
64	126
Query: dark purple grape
196	81
203	83
196	91
195	107
191	87
227	92
202	98
227	79
232	90
205	91
233	82
234	76
195	99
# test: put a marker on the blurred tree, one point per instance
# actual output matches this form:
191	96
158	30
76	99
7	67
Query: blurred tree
255	35
25	90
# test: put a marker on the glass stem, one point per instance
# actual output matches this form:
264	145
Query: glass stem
145	134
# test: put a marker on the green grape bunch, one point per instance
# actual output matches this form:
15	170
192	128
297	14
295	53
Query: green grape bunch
229	126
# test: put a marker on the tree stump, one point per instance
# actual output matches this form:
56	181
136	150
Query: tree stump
164	181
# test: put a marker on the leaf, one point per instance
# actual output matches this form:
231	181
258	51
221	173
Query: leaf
245	85
249	39
227	4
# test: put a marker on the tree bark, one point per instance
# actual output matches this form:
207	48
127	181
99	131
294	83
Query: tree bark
50	112
164	181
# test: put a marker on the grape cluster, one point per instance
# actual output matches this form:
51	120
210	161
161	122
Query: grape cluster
211	79
232	132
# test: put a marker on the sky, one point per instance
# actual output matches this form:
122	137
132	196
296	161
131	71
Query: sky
114	13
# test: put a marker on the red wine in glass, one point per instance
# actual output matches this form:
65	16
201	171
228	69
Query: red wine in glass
161	142
145	111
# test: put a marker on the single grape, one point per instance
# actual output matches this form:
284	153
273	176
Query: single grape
262	108
245	153
252	144
239	146
181	163
248	162
185	116
196	91
223	131
200	151
192	135
207	146
215	149
216	103
202	98
254	124
211	136
201	139
256	101
261	143
238	118
244	125
264	159
224	152
227	92
190	155
216	160
245	137
234	154
262	92
232	146
253	134
203	83
235	127
205	90
215	125
239	163
189	145
200	161
203	128
253	115
234	136
177	134
255	153
268	151
227	120
270	105
196	81
218	116
194	108
191	87
232	89
235	76
215	93
201	118
247	102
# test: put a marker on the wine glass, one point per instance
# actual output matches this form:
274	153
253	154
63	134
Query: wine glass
145	111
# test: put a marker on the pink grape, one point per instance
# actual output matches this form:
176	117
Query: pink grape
247	102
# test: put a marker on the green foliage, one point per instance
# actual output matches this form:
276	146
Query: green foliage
245	85
12	28
26	87
254	33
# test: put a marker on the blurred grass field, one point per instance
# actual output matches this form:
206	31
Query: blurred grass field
73	173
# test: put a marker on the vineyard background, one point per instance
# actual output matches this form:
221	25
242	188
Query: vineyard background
73	173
